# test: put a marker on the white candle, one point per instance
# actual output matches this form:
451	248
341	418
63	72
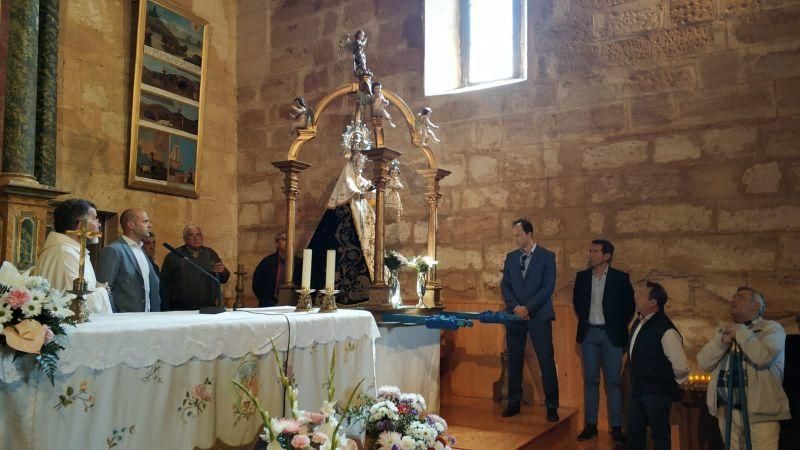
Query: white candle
330	270
306	281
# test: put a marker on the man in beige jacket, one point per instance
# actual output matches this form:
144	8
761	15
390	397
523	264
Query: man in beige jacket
762	343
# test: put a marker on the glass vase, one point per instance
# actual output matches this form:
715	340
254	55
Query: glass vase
395	298
422	279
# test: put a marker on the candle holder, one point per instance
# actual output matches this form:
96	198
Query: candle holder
328	300
304	302
78	305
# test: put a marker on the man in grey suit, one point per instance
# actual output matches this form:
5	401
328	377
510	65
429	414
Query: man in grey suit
131	277
529	278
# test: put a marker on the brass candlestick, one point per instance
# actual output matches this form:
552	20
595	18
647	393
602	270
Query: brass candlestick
79	285
304	301
328	300
240	274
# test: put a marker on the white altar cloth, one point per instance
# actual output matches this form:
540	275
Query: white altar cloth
163	380
409	357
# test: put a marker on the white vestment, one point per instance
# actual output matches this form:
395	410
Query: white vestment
59	261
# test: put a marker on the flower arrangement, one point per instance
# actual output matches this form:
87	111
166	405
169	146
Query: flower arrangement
33	316
422	264
394	261
305	430
398	421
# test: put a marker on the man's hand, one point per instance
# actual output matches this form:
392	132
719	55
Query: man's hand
218	267
727	337
521	312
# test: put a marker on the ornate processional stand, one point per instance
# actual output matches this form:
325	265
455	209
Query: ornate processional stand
367	104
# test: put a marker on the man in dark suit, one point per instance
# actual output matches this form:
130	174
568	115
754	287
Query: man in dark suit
529	278
603	301
124	266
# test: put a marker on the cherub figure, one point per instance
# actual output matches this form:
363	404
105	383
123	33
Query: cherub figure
302	115
379	104
393	188
357	46
425	127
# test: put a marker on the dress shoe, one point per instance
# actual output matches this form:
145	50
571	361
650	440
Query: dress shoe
552	415
511	410
589	432
617	436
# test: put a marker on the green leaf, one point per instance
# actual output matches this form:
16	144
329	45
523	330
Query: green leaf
70	391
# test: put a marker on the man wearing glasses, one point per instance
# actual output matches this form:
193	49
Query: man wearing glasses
529	278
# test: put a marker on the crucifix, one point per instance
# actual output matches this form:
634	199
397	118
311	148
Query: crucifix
79	285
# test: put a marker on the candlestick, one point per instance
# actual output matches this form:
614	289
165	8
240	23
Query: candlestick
306	281
330	270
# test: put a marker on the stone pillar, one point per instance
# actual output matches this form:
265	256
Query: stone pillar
19	134
381	157
291	187
47	86
432	194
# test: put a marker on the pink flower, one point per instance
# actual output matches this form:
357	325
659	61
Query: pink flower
200	392
48	334
18	297
301	441
290	426
319	438
314	417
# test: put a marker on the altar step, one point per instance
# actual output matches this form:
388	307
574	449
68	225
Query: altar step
476	424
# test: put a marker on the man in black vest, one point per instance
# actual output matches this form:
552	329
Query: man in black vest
603	301
657	364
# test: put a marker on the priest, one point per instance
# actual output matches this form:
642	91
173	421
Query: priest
60	257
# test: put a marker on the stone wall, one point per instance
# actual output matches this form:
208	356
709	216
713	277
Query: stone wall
94	109
670	127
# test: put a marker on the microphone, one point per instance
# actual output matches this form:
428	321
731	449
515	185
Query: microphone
217	308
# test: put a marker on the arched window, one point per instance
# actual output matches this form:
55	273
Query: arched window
472	44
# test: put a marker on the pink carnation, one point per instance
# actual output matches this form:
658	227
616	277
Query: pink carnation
301	441
18	297
48	334
314	417
319	438
291	426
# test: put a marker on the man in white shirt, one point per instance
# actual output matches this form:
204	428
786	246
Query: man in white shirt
657	365
763	345
60	257
124	265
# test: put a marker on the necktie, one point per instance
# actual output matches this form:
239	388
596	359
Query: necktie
522	261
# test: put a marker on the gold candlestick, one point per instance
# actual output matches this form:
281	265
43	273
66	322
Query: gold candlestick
304	301
240	274
328	300
79	285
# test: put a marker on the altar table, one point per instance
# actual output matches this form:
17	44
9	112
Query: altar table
163	380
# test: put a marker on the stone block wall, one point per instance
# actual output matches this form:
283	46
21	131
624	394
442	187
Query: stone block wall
96	59
669	127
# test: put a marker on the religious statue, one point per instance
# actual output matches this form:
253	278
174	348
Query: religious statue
302	115
393	188
355	138
425	127
379	104
357	46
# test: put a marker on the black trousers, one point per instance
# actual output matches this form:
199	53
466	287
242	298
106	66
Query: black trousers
542	338
647	409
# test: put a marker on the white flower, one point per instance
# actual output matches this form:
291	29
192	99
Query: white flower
10	276
277	426
38	296
422	432
327	408
32	309
5	313
408	443
415	401
37	283
389	392
383	410
274	445
388	439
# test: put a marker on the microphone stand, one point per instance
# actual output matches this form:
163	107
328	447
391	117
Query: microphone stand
217	308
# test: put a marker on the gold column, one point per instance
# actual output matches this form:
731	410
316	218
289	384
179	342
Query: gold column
291	187
381	157
432	194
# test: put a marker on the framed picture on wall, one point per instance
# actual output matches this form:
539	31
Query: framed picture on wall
168	98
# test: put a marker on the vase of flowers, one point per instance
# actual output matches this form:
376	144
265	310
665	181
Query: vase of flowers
400	420
394	261
33	317
423	265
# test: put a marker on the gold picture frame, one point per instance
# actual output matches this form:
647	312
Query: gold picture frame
168	100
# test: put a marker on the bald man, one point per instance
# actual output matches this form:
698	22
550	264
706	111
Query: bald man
127	270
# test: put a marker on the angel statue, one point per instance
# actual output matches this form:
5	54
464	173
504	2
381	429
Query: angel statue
302	115
393	188
379	104
357	46
425	127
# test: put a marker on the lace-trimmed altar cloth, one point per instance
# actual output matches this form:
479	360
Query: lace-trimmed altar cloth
140	339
